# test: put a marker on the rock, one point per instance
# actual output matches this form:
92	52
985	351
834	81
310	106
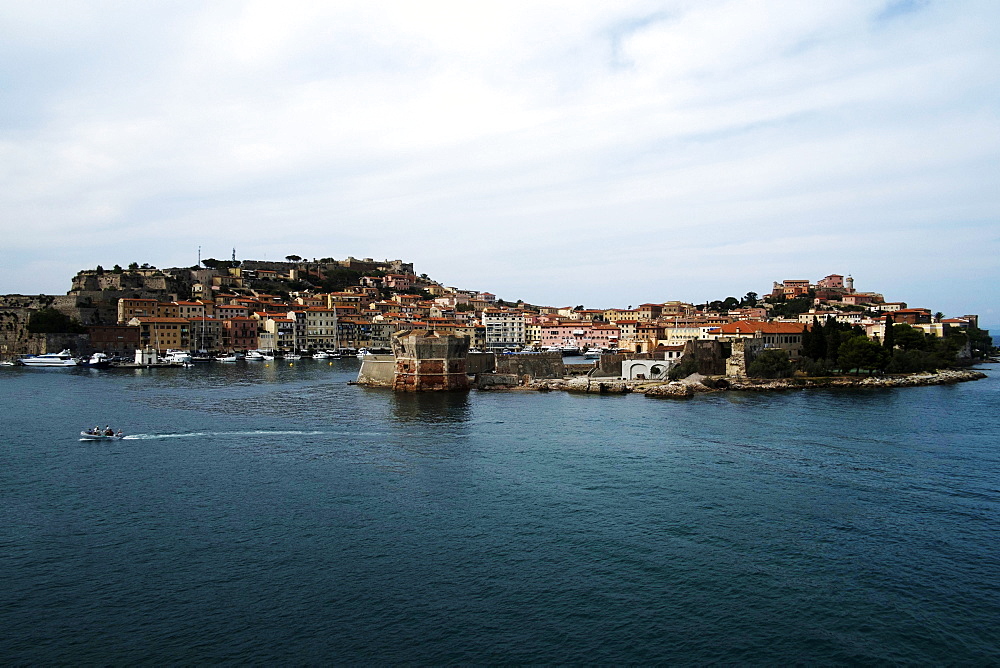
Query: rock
675	390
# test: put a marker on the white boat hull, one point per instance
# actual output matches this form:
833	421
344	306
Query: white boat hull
84	436
60	359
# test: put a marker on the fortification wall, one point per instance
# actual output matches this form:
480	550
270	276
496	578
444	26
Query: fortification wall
534	365
481	363
91	281
709	355
427	361
377	371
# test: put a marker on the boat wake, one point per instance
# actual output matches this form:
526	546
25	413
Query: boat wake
200	434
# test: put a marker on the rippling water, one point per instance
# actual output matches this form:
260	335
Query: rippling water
277	514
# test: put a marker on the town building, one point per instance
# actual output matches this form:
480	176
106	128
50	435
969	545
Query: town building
504	329
784	335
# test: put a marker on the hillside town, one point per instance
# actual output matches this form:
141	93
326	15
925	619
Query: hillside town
334	306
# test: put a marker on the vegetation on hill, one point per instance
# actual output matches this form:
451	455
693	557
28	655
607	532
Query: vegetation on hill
749	300
833	347
779	307
51	321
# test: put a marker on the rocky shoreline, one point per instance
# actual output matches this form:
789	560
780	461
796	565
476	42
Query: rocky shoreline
693	385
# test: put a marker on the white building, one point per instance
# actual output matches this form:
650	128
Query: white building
504	329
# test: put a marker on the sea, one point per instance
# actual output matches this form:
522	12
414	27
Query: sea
274	513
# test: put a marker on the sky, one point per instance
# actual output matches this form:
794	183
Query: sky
605	154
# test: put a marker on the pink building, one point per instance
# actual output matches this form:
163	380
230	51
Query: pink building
831	281
578	335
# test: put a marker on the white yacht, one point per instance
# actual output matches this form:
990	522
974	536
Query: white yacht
174	356
592	354
64	358
254	355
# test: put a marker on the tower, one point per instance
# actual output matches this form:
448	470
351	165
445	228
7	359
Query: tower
429	361
850	283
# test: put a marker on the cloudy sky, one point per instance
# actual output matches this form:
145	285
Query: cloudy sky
606	153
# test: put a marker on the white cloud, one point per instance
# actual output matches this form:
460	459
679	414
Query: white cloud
508	146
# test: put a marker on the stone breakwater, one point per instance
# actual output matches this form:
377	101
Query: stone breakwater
946	377
693	385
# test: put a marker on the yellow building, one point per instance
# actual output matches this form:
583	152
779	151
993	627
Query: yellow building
163	333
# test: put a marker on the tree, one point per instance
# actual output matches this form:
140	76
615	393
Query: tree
980	342
292	258
860	352
771	363
790	308
51	321
889	337
750	299
817	341
212	263
939	316
687	366
118	269
908	338
99	270
134	266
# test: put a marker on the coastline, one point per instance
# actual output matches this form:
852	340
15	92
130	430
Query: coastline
688	387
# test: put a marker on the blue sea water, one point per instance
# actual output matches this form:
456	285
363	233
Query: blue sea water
277	514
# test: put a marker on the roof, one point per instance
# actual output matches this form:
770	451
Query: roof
750	327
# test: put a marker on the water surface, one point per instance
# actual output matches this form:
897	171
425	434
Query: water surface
277	514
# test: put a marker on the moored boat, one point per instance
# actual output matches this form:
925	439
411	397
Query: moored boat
177	356
60	359
97	361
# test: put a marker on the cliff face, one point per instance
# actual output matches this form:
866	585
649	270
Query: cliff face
15	339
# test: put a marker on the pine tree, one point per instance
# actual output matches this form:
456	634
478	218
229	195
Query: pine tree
889	338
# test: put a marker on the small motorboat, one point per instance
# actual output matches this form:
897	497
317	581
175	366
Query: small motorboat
101	435
226	358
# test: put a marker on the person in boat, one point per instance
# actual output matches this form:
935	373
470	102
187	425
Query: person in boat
119	434
108	431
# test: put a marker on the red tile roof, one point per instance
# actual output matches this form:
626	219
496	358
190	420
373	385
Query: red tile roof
750	327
